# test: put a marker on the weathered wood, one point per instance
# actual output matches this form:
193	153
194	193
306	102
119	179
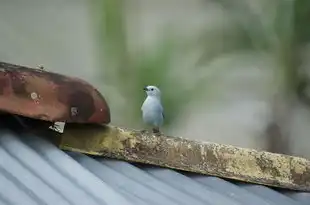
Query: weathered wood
200	157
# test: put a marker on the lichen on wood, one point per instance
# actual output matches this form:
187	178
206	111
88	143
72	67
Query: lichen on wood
225	161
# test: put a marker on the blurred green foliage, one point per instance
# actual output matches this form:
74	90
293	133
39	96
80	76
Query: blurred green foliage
129	72
277	28
301	21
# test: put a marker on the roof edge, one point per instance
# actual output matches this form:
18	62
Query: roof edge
214	159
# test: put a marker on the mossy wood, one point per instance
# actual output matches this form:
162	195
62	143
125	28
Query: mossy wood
199	157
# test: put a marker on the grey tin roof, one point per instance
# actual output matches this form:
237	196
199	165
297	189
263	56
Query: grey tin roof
33	171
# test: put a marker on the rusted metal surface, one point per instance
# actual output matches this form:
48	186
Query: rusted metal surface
48	96
200	157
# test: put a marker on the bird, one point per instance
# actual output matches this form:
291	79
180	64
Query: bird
152	109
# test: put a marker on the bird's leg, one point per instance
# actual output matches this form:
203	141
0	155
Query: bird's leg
143	131
156	130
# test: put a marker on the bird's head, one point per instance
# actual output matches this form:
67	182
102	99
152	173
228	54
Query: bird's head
152	90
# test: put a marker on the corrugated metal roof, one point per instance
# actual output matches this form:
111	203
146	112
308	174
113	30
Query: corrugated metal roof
33	171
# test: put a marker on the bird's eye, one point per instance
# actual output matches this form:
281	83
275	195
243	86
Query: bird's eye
152	89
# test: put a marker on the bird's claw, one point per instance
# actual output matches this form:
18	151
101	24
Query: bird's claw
143	131
156	131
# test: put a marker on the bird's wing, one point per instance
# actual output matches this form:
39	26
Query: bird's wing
162	111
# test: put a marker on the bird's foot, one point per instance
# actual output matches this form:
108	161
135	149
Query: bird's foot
156	131
143	131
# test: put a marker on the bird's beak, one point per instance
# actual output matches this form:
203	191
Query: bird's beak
145	89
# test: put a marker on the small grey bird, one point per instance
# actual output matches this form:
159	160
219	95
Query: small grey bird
152	110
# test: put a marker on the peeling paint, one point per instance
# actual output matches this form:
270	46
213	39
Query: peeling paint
48	96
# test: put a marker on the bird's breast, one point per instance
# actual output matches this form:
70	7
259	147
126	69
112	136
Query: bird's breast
152	117
150	103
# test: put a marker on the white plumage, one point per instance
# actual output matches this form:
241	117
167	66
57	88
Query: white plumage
152	110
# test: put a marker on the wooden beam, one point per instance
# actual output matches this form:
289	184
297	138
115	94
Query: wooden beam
224	161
